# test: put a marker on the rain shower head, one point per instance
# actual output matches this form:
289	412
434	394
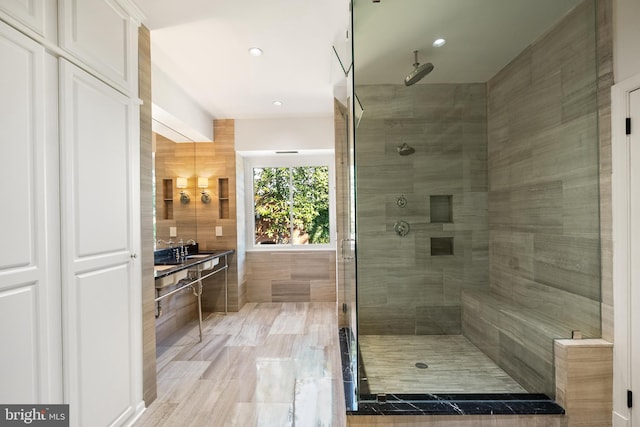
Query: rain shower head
405	150
419	71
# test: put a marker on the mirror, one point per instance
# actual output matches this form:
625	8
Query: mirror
174	207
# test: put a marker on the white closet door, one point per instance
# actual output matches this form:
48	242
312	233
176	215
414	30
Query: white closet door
29	12
30	360
100	237
101	34
634	256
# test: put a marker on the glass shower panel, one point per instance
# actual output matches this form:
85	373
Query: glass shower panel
344	113
477	193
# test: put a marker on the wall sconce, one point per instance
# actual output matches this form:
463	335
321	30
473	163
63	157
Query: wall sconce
204	183
184	195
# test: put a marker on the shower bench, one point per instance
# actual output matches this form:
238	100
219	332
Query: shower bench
518	338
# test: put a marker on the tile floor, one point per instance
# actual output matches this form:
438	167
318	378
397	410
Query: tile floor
270	364
455	365
278	364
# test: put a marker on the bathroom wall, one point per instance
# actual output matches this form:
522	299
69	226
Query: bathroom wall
543	175
279	276
291	276
178	310
293	133
218	160
605	62
146	212
345	263
198	220
402	287
175	160
544	229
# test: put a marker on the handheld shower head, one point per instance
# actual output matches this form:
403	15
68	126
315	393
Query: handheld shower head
419	71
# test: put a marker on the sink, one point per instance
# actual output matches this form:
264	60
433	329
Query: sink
169	280
207	265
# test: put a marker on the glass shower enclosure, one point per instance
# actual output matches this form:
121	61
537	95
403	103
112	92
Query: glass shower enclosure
470	205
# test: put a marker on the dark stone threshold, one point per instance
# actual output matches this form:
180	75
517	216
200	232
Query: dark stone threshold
438	404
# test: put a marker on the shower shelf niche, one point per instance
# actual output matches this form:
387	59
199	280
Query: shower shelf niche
441	208
441	246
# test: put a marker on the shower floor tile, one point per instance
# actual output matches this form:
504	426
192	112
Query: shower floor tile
455	365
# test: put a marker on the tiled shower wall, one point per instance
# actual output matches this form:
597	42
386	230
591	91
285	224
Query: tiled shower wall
543	175
544	229
402	287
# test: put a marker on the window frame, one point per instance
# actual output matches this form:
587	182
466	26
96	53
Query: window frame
288	161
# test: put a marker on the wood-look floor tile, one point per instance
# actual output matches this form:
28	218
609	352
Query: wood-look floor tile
312	396
274	414
158	417
276	346
164	355
204	351
177	379
275	380
243	414
270	364
288	323
196	404
232	363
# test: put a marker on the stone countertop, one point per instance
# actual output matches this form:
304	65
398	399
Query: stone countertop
169	269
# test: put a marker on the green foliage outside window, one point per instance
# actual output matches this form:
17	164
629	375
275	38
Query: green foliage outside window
291	205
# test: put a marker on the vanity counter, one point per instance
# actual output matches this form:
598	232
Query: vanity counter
165	269
190	274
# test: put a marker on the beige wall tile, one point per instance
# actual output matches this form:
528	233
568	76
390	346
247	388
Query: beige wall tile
400	284
584	381
285	276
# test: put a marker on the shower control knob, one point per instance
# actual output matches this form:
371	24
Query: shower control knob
401	228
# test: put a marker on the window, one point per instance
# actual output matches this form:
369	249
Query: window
291	203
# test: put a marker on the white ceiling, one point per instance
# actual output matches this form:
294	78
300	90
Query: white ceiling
482	36
203	46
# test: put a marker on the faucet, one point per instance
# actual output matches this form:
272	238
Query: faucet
168	242
182	251
186	247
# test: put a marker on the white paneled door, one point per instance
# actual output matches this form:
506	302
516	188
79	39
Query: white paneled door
100	272
84	26
634	255
30	13
30	350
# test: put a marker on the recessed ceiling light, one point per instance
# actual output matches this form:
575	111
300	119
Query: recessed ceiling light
439	42
277	103
255	51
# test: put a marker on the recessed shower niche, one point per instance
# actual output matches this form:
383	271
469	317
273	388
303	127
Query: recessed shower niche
441	208
441	246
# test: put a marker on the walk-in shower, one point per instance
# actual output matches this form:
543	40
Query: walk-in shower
478	250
